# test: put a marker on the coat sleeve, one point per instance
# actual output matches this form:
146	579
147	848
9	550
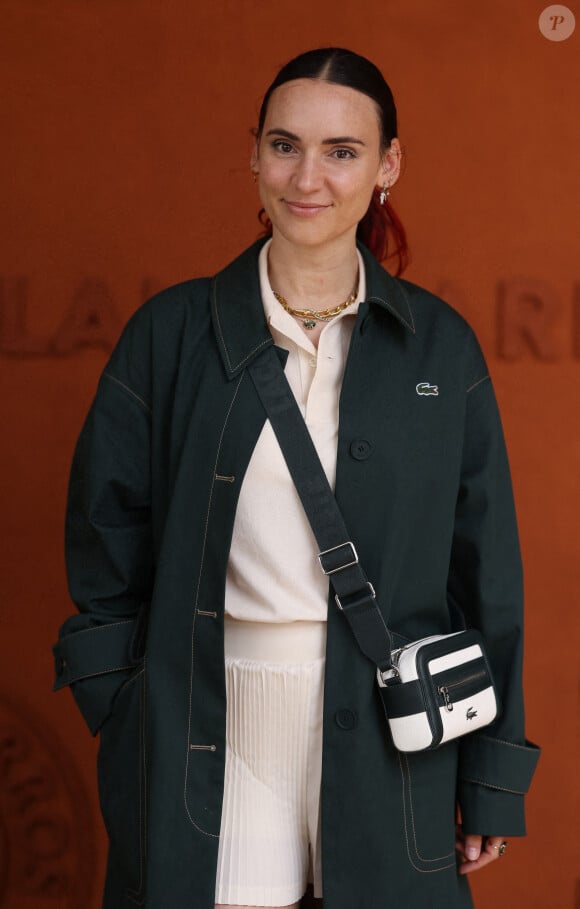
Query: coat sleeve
485	581
108	539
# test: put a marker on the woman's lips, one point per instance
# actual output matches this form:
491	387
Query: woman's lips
305	209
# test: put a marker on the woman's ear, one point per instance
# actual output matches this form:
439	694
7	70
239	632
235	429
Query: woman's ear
390	170
254	158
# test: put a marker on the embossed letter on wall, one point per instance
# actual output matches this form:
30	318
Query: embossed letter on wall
47	837
91	319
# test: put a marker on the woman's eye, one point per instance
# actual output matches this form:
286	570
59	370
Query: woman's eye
344	154
282	146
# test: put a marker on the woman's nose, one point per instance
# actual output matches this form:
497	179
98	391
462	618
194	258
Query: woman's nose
308	175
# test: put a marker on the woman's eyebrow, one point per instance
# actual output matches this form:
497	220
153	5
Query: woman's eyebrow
335	140
283	132
341	140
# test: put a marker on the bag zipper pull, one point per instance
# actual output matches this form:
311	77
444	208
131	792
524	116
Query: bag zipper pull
444	691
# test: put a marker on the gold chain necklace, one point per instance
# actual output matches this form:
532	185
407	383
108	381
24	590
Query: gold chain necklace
311	316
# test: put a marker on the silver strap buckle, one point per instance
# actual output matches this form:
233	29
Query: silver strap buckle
385	675
354	558
369	585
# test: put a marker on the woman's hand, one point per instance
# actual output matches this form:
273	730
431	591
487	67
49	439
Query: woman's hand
477	851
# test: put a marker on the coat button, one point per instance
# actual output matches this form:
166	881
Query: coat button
345	718
361	449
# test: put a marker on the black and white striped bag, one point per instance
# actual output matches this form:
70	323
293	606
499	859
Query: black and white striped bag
437	689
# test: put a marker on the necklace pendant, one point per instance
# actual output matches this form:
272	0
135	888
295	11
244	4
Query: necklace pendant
309	323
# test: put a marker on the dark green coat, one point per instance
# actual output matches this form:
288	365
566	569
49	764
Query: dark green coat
423	484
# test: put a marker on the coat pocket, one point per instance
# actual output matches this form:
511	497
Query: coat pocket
429	782
122	782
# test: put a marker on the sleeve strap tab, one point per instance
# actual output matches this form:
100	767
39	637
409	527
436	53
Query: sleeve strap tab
497	764
96	651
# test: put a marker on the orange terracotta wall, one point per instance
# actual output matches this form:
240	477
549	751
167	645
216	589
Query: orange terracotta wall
124	157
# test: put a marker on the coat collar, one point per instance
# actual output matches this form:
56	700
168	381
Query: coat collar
238	315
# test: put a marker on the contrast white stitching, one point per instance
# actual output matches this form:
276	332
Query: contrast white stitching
223	340
94	675
468	779
403	292
73	634
475	384
437	858
107	375
133	677
201	567
416	867
490	738
395	312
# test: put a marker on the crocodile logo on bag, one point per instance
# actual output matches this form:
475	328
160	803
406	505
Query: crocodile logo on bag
424	388
471	713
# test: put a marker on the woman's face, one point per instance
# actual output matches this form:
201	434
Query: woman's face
319	159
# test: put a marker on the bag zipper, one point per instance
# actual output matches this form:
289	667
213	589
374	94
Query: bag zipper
443	690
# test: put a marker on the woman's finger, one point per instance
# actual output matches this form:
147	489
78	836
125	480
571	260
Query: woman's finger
468	845
493	848
468	867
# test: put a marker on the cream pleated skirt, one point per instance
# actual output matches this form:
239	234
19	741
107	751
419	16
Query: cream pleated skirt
270	831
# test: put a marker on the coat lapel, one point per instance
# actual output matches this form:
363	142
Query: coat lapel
237	312
386	291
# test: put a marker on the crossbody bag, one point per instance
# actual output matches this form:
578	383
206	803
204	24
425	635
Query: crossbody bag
432	690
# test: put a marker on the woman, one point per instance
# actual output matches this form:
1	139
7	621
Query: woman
194	569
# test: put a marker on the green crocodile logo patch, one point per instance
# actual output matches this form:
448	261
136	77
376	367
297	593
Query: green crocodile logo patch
424	388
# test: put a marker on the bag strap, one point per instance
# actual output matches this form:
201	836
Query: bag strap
338	558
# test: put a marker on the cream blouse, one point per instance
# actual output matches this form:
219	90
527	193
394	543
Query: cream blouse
273	574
